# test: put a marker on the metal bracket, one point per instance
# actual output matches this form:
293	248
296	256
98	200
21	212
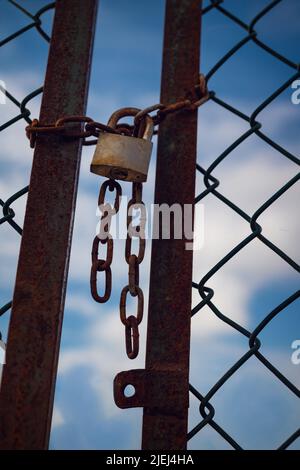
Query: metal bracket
160	390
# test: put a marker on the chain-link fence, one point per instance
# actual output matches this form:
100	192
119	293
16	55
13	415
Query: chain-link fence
35	21
212	187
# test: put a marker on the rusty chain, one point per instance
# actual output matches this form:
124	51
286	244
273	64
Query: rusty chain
68	127
90	128
104	237
131	323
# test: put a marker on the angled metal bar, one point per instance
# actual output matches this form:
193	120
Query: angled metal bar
28	382
168	337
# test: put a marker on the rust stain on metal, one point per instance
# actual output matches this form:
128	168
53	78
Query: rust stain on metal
158	389
162	387
168	337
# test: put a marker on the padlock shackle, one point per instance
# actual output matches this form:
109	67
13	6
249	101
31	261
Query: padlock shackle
148	129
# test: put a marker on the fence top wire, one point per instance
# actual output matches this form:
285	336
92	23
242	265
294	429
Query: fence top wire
35	21
211	183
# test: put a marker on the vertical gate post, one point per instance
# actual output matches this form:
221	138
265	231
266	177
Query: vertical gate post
168	337
28	381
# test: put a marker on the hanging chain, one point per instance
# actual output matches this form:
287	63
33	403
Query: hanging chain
86	127
132	322
104	237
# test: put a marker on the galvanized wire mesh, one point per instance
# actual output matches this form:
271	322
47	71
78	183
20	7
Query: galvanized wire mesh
23	112
207	411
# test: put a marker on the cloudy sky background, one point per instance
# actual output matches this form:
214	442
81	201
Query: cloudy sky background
253	406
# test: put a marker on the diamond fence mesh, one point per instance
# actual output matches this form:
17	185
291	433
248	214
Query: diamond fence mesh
212	187
35	21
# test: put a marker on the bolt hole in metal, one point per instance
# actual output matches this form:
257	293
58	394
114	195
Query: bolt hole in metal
129	391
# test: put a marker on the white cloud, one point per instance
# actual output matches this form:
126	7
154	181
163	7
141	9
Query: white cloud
104	356
81	304
15	149
57	418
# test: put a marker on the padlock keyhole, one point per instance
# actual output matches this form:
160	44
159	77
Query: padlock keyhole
118	174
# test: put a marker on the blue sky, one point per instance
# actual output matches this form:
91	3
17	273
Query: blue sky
253	406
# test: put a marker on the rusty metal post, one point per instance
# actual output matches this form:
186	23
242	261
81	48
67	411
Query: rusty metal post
162	388
28	381
168	340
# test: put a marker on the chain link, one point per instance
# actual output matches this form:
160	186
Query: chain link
132	323
132	337
104	237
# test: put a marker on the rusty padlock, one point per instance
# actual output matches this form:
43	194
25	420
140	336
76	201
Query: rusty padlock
124	157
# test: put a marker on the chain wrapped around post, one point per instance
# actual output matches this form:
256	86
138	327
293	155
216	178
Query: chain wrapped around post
86	127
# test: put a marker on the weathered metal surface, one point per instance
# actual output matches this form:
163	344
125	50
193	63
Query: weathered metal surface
124	157
28	382
168	337
158	389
